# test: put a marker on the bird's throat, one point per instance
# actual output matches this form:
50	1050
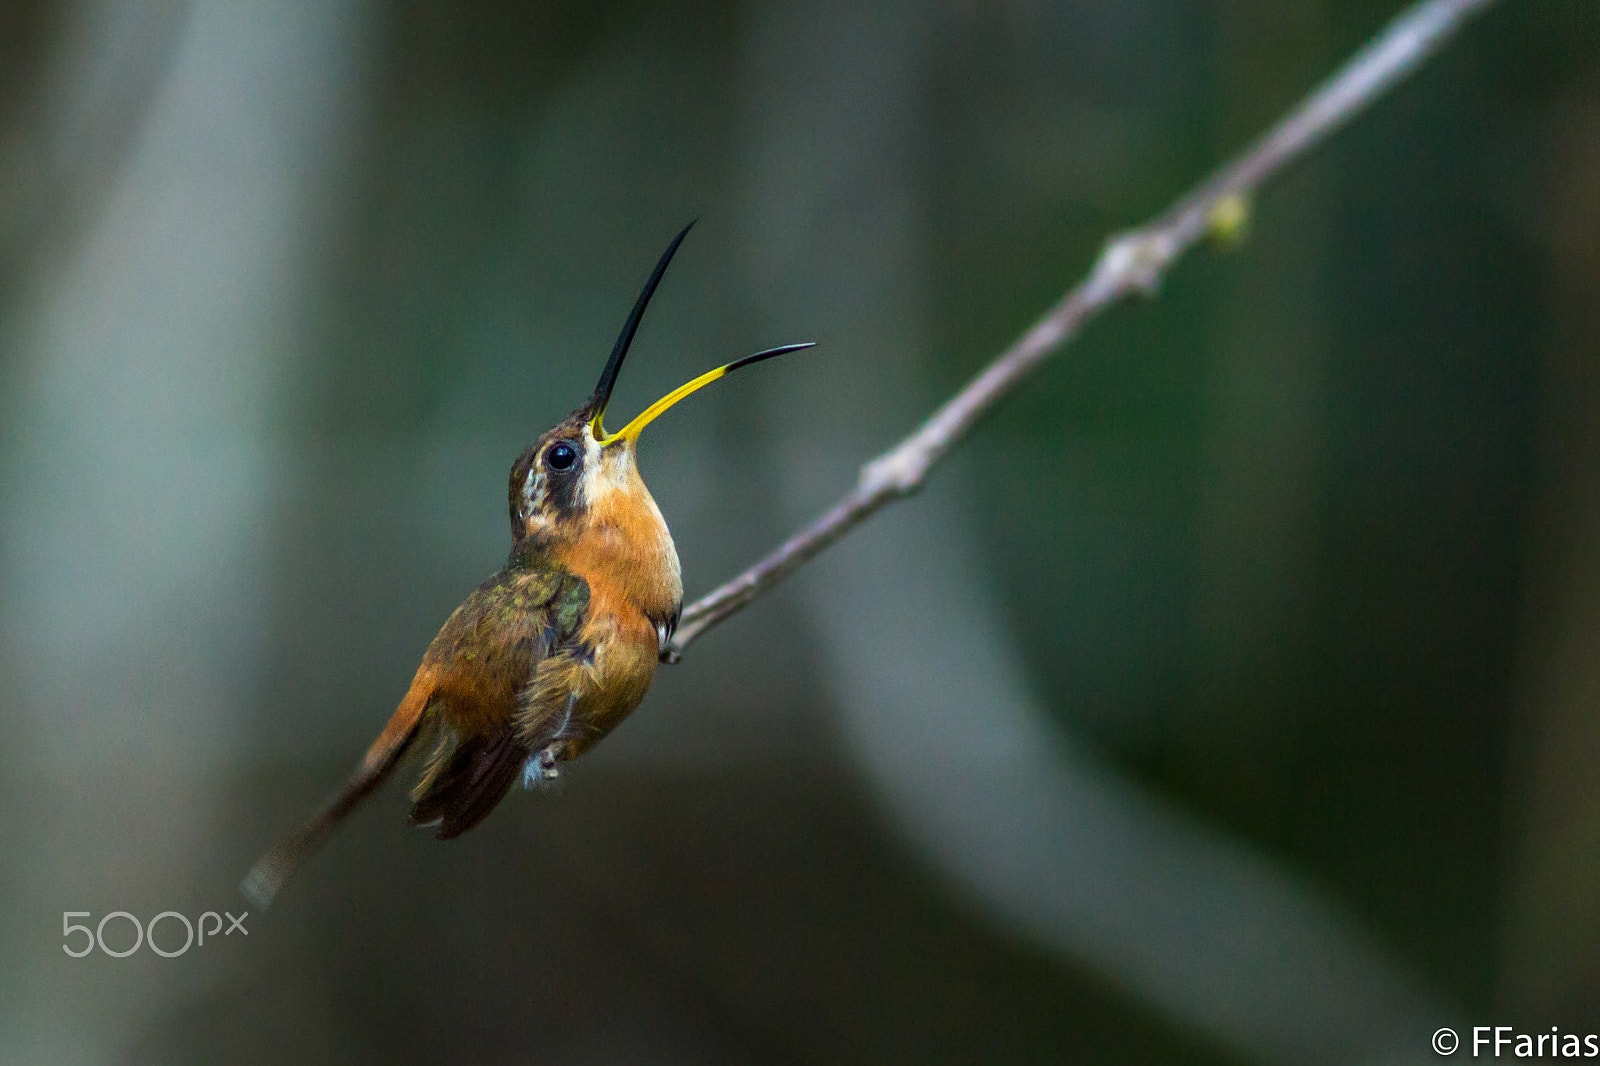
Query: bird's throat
623	546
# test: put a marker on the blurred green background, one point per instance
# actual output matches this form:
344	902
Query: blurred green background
1231	696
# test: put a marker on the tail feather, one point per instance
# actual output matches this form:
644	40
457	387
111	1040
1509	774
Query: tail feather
467	779
275	868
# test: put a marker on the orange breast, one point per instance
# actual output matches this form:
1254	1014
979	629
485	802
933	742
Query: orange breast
622	635
627	557
625	548
625	656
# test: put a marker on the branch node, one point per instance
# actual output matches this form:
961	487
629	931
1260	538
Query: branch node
896	473
1135	260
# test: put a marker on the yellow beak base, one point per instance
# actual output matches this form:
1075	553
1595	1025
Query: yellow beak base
631	431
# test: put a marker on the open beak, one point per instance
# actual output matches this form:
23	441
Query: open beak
631	431
595	410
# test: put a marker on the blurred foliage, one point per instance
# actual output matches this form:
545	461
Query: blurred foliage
1284	544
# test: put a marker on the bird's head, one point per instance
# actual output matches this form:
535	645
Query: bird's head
577	466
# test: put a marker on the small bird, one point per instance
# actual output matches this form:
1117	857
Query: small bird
549	654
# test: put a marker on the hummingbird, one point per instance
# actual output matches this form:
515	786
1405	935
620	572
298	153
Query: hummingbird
544	658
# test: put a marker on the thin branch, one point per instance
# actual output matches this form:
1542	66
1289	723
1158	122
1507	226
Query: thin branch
1132	263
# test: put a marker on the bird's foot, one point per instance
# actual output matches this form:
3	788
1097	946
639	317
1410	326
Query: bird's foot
540	768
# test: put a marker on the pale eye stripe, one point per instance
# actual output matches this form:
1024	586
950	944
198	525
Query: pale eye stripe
532	489
592	466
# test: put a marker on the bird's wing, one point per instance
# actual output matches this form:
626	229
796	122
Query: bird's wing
523	620
518	600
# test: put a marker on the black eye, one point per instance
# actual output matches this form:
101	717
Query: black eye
561	457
